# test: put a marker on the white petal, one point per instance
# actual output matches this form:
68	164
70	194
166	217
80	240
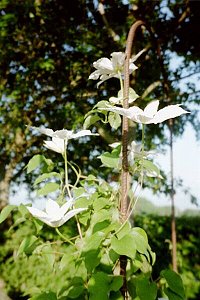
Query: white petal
103	78
65	207
63	134
114	145
53	209
132	67
115	100
117	60
95	75
151	109
141	118
57	146
168	112
104	64
37	212
134	58
130	113
43	130
82	133
71	214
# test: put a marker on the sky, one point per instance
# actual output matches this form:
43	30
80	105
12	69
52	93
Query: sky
186	157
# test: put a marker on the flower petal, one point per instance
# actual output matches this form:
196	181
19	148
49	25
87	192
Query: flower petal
71	214
65	207
168	112
56	145
53	209
95	75
131	112
104	64
37	212
83	133
63	134
117	60
151	109
135	57
43	130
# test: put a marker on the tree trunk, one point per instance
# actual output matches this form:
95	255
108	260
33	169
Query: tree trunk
6	173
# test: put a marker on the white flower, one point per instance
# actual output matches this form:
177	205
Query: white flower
60	137
151	114
108	68
63	134
54	215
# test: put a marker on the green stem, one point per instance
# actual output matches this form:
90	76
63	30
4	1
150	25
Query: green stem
121	82
64	238
66	169
143	138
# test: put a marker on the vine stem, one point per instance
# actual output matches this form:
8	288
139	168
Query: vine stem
64	238
125	172
66	170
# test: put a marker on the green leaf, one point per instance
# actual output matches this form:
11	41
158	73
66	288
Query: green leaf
171	295
124	230
28	245
132	95
48	188
102	104
145	289
151	169
38	225
92	259
114	120
116	283
76	288
90	120
48	254
100	203
35	162
174	282
98	286
110	160
5	212
23	210
45	296
46	176
124	246
141	239
93	241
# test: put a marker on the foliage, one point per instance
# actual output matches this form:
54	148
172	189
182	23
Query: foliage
33	273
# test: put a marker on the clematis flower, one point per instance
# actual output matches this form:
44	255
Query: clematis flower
63	134
60	137
54	215
108	68
151	114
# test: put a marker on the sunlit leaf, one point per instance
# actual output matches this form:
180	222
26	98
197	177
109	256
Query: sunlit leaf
48	188
5	212
28	245
35	162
